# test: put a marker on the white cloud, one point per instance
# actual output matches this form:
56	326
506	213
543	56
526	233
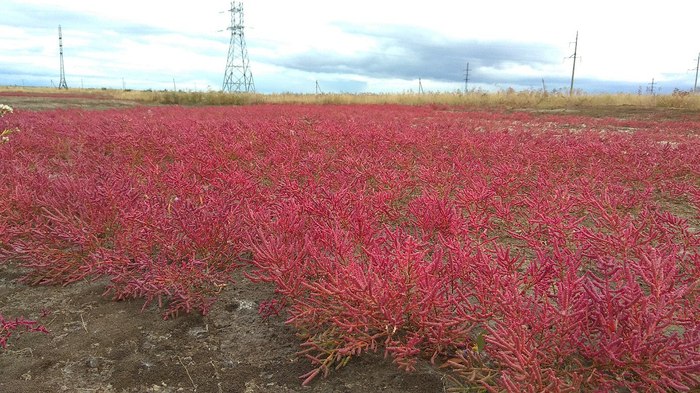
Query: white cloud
152	41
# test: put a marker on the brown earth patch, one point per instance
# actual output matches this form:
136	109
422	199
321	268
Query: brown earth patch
99	345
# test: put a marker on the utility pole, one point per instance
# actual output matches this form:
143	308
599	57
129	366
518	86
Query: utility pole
652	86
237	77
420	86
697	67
544	88
174	85
466	79
62	81
573	69
318	88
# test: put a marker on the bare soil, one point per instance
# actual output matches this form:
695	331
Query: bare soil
35	102
99	345
626	112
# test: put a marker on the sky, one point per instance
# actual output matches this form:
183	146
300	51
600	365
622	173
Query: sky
359	46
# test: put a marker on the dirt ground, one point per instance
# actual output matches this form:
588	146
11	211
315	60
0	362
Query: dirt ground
58	101
99	345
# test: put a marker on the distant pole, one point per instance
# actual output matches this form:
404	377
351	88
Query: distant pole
318	88
174	85
123	84
62	81
652	86
573	69
697	67
466	79
544	88
420	86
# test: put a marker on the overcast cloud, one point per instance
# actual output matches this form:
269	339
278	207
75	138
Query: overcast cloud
405	53
359	46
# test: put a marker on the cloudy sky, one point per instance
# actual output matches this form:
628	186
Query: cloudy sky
354	46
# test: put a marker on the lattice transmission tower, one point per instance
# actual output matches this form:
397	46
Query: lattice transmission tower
237	78
62	81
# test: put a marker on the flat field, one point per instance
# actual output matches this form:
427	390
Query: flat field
250	246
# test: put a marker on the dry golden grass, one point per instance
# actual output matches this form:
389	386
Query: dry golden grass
506	99
527	99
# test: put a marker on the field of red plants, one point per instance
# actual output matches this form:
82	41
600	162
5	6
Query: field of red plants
521	252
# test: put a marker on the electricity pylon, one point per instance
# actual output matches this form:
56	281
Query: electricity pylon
62	81
237	77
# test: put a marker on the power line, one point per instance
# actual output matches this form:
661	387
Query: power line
62	79
573	69
651	89
466	79
237	77
697	67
